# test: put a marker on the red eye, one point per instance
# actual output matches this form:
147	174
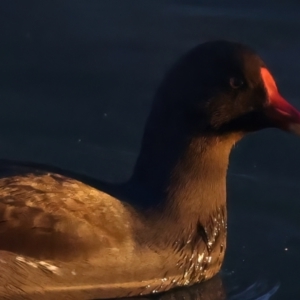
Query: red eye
235	82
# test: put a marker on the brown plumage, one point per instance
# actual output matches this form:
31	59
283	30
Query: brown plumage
165	227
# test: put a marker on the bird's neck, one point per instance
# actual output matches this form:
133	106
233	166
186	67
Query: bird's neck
188	176
197	189
191	217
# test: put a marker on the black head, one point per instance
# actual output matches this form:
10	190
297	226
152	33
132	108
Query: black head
222	87
218	89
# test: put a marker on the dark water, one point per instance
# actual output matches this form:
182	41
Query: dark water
76	83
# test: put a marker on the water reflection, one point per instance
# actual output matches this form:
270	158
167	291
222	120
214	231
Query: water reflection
212	289
221	287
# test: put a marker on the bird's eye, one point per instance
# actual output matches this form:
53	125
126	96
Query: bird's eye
236	82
